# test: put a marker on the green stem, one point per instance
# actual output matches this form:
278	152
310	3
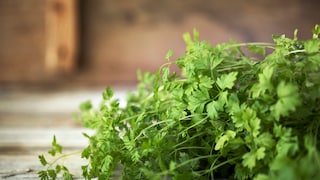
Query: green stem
62	157
187	148
193	159
149	127
267	45
194	125
177	145
212	168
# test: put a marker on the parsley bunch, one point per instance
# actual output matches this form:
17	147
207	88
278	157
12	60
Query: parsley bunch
235	111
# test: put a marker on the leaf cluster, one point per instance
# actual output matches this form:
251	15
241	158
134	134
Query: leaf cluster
235	111
53	169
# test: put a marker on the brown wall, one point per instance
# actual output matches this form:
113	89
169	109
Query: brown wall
119	37
21	39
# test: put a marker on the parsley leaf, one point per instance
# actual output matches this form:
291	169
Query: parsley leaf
224	116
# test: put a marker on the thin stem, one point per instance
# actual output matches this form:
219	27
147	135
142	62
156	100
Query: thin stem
177	145
219	165
267	45
187	148
62	157
194	125
193	159
149	127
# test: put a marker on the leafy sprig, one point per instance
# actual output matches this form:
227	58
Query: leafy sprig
53	168
236	110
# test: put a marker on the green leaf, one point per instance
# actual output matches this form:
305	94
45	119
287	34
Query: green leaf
198	100
85	106
260	153
195	35
316	31
43	160
250	121
257	49
261	177
84	169
67	176
237	115
187	39
265	82
266	140
211	110
43	175
226	81
169	54
250	158
206	82
58	168
215	63
223	99
224	138
86	152
56	148
106	163
288	100
215	106
312	45
107	94
172	165
165	73
52	174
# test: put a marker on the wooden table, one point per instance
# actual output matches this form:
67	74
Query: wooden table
28	121
20	147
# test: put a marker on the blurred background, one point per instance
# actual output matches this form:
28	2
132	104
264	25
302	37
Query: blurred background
100	42
55	54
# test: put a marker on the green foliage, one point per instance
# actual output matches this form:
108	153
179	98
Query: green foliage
229	114
52	169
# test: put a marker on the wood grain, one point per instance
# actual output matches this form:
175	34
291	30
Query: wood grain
61	35
30	118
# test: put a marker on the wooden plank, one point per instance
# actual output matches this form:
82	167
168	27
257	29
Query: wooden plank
51	108
30	118
42	137
61	35
20	147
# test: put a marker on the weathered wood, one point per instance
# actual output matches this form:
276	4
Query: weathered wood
20	147
21	40
61	35
38	39
41	138
28	121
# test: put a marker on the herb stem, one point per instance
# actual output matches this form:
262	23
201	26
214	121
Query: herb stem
212	168
63	156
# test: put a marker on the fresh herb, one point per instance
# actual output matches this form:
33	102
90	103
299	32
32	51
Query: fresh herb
53	168
236	111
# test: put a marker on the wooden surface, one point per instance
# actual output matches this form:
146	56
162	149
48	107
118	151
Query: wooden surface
38	39
30	118
22	40
20	147
61	35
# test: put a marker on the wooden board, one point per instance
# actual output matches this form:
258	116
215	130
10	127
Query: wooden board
37	40
61	35
30	118
20	147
